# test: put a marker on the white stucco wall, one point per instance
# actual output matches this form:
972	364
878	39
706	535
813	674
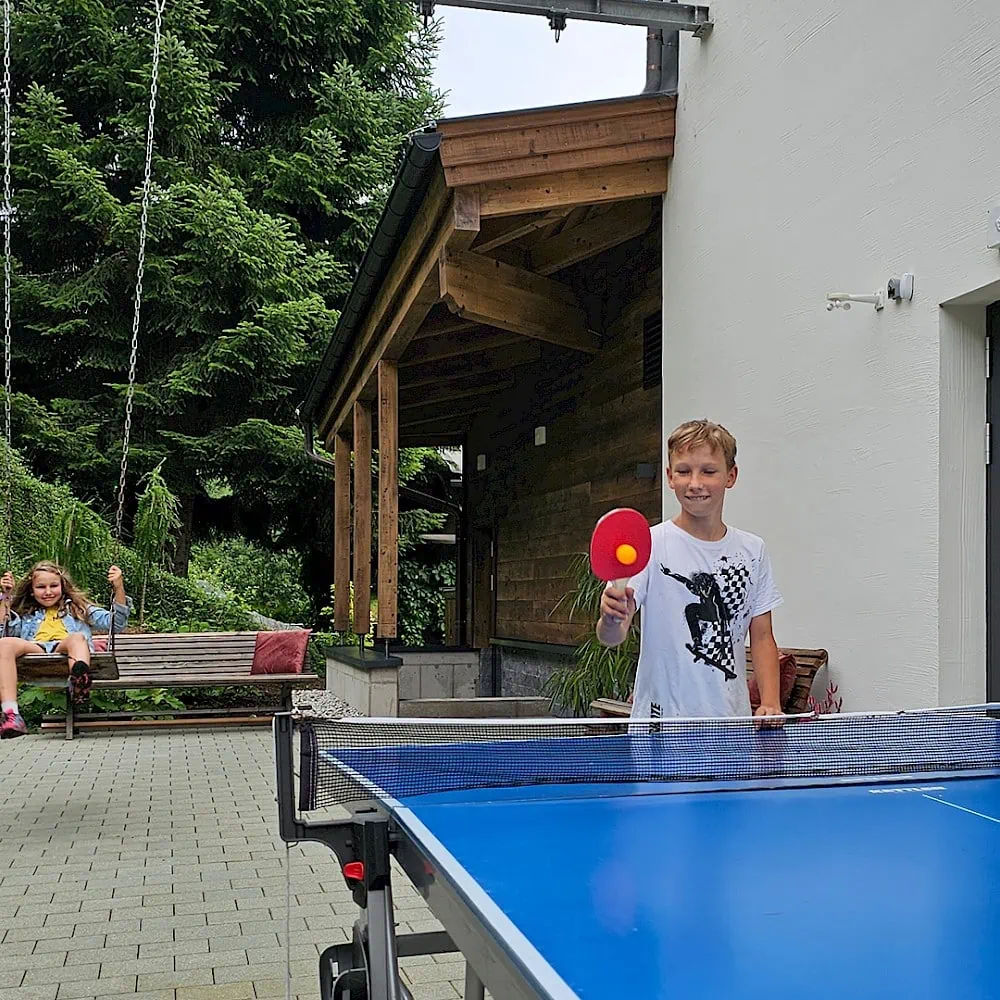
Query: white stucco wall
826	147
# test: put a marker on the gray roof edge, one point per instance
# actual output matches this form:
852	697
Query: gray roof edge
402	204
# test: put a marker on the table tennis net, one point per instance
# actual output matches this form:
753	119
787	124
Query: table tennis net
347	760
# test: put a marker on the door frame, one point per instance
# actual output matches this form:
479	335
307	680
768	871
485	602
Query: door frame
992	510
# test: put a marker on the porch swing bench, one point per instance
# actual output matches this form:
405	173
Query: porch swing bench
155	660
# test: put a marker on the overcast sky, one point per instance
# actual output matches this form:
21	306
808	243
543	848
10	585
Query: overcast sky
500	62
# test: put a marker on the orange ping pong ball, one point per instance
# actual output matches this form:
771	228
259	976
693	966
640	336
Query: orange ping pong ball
626	554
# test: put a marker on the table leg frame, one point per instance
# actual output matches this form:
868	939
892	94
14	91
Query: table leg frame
367	968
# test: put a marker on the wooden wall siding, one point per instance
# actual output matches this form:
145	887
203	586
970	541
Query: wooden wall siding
600	423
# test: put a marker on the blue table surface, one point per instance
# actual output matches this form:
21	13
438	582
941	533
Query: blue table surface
850	891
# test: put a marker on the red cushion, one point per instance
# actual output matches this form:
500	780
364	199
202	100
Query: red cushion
788	668
100	644
282	652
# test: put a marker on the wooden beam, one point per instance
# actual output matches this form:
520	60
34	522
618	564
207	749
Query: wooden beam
442	413
423	439
388	498
457	227
610	229
569	159
456	346
423	302
362	518
542	140
524	352
574	187
424	229
440	321
341	534
499	232
482	385
510	298
578	114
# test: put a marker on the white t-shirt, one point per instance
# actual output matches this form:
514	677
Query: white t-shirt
697	600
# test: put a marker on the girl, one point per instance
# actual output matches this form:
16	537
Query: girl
48	613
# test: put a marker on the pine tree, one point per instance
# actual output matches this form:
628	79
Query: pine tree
279	126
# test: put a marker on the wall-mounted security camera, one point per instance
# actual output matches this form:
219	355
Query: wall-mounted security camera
901	289
897	289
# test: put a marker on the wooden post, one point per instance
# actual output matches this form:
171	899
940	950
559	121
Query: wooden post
341	533
388	497
362	517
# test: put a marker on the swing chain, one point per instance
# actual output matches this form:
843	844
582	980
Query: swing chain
7	212
140	269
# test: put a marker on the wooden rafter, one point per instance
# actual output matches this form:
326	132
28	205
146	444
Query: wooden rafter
510	298
621	182
456	345
439	322
412	268
499	232
454	412
447	388
524	352
609	229
422	438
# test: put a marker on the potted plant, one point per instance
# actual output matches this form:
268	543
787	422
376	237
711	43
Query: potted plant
596	670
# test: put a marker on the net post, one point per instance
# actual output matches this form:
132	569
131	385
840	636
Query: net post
289	828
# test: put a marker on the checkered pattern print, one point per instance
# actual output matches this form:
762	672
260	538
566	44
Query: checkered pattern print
734	580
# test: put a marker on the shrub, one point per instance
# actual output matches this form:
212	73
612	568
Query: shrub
597	671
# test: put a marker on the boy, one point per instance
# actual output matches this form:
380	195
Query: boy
706	585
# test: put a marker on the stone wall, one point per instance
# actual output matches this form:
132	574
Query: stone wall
445	673
365	681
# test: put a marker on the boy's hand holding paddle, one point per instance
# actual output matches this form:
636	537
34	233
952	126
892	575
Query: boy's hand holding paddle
619	549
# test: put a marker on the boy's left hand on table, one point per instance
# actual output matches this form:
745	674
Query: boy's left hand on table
774	716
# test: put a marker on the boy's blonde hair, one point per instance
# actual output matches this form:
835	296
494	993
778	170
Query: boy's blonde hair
695	433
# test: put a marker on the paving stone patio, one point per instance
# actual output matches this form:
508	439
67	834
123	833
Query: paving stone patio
149	863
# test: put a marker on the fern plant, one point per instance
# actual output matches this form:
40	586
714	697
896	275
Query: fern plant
157	518
596	671
78	540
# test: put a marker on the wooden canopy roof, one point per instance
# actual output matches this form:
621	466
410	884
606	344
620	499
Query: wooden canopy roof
470	274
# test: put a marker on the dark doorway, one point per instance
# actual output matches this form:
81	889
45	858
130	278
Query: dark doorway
484	586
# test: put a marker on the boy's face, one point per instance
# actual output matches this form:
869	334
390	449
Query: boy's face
699	479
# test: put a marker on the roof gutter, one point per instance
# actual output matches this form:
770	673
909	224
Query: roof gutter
404	200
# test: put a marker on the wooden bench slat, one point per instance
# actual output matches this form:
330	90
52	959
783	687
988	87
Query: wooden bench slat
200	680
201	664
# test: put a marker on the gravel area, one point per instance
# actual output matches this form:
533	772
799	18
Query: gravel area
322	703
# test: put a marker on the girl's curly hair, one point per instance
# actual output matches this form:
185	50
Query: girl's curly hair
75	601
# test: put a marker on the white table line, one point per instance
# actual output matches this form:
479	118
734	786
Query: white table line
971	812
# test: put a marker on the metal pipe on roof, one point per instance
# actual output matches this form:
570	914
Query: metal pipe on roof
662	60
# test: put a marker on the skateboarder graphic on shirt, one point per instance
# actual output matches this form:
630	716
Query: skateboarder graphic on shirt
709	610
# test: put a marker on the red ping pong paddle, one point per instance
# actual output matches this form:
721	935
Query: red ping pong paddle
620	545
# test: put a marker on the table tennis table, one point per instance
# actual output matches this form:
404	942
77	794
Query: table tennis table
836	856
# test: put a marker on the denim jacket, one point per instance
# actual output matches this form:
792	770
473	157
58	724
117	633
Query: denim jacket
99	618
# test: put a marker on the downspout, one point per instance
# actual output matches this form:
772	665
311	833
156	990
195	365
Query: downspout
426	501
662	62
